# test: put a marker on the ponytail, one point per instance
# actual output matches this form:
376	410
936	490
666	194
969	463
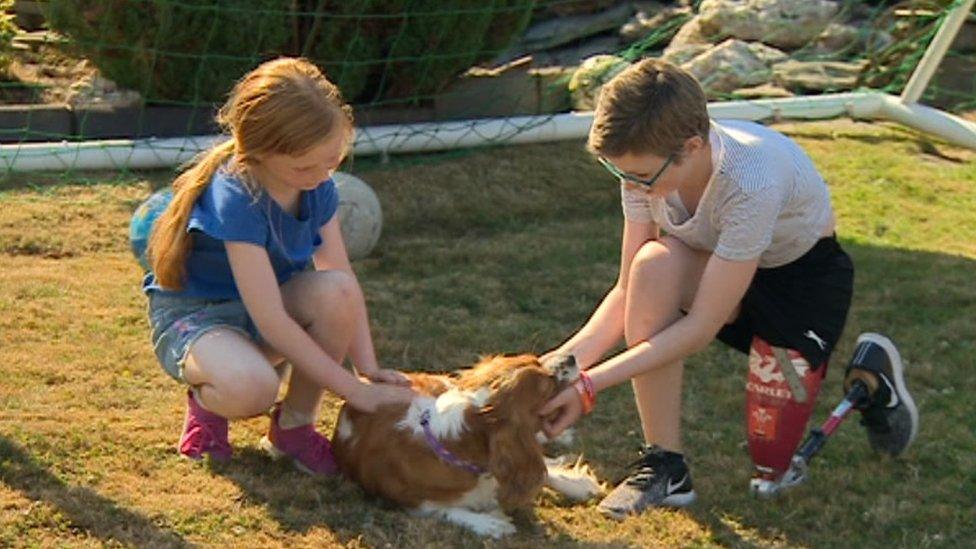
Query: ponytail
169	243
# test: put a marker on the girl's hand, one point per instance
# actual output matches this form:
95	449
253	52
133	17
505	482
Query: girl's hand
386	375
562	411
369	397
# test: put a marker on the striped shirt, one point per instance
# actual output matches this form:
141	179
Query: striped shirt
765	199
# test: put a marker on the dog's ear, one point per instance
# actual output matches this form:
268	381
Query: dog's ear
515	457
516	461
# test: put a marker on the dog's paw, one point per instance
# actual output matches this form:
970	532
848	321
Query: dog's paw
566	438
576	482
495	525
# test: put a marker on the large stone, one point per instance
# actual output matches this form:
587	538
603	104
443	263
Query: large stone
563	30
768	55
566	8
690	33
679	55
818	76
585	84
837	39
764	91
727	67
98	92
785	24
654	20
841	40
574	54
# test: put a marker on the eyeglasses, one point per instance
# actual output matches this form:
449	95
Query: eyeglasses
631	178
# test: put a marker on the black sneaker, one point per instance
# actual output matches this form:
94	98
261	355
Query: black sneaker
659	479
891	418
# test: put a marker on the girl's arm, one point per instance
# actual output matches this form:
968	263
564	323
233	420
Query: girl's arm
259	291
331	255
722	286
606	325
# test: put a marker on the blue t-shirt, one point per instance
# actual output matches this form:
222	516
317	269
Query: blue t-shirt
227	211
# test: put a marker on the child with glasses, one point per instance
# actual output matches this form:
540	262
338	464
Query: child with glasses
728	234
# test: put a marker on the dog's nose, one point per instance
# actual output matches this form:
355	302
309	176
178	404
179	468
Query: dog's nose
567	373
563	368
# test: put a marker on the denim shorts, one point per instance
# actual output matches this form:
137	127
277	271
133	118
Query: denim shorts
177	322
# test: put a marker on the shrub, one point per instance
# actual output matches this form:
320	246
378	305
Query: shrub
188	51
8	30
375	50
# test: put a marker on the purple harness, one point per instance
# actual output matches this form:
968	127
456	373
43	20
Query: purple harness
442	452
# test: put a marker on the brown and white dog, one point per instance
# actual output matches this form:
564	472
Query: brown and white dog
467	448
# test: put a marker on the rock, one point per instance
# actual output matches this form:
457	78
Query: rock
768	55
35	40
818	76
836	39
785	24
592	74
764	91
680	55
877	40
575	54
689	33
556	32
95	91
727	67
841	40
578	7
654	19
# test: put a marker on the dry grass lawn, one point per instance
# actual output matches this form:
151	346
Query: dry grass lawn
501	250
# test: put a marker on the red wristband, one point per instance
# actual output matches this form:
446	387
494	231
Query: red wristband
584	388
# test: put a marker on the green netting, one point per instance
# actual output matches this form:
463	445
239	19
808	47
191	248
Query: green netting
415	61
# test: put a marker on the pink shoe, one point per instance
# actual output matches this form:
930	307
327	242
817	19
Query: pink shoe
204	432
308	450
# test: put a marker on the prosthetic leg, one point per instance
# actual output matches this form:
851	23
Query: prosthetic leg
776	470
781	390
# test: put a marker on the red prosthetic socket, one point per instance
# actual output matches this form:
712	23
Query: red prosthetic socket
778	405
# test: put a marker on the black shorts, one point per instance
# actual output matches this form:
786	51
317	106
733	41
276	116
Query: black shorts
802	305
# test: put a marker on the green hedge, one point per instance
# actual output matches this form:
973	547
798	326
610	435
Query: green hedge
375	50
8	30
